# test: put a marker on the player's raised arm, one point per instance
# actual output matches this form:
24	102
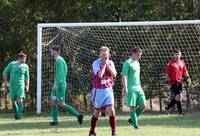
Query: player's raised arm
112	69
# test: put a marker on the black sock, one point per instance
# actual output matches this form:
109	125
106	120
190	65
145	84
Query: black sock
179	106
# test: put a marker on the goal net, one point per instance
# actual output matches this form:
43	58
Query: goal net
80	43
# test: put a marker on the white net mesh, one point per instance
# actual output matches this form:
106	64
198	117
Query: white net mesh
80	45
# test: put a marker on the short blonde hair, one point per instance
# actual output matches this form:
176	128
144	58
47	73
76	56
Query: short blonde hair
104	48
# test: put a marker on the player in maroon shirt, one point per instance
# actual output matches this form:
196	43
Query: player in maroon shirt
175	69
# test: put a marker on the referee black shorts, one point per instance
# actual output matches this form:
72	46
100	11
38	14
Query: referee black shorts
176	88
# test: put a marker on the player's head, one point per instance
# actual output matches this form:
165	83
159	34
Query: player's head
55	51
136	53
177	54
21	57
104	52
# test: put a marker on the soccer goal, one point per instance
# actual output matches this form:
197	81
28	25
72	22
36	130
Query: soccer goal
80	43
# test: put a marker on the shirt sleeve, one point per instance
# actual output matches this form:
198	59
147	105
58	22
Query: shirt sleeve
125	68
60	69
7	69
112	64
95	67
27	74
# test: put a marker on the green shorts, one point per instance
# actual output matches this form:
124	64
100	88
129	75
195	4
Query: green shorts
17	92
135	98
60	94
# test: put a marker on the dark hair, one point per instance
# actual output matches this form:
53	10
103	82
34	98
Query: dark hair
55	48
176	51
136	49
21	55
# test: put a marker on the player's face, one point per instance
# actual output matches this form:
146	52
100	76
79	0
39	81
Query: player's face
137	55
53	53
104	55
22	60
177	56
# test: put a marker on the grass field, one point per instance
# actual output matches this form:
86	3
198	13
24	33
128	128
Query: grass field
150	125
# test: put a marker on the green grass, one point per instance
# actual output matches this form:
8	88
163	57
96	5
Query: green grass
150	125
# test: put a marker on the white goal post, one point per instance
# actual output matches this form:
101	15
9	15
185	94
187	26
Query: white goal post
43	40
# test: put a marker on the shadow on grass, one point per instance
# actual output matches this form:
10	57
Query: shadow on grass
67	121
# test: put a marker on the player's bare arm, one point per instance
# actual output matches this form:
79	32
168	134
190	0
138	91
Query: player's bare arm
5	77
102	71
27	85
124	83
112	70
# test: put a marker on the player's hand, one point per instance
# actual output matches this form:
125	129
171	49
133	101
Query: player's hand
168	86
55	88
179	97
27	88
189	82
105	59
124	90
7	85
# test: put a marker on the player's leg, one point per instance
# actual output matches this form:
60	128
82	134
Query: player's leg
15	108
61	102
94	120
12	94
20	107
141	102
179	97
133	115
103	112
131	98
54	109
173	100
112	118
109	104
20	96
98	98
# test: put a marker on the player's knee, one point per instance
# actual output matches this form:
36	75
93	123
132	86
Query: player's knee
97	113
61	104
19	101
142	106
133	108
52	102
111	111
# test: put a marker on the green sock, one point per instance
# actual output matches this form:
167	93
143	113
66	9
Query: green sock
54	113
15	108
20	109
134	119
71	110
139	111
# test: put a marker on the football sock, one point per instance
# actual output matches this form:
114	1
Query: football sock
54	113
139	111
134	119
179	106
112	120
71	110
93	124
20	109
15	108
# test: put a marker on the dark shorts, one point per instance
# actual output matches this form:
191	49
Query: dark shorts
176	88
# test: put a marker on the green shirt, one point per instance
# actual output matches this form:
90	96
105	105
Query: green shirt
18	73
131	69
60	72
